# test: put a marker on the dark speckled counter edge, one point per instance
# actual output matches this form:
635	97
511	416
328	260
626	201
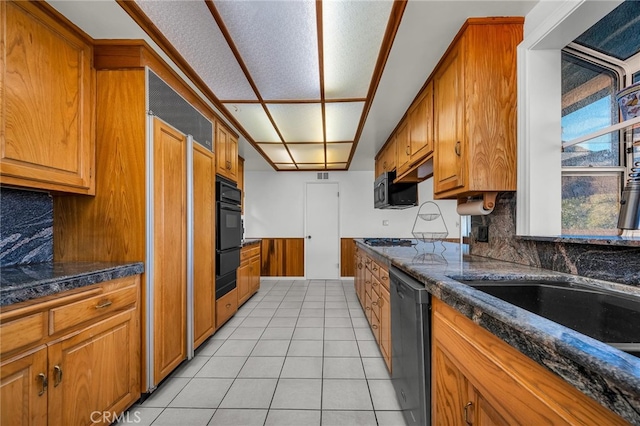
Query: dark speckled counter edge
598	370
251	241
36	288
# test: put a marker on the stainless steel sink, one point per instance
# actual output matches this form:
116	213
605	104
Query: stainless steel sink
608	316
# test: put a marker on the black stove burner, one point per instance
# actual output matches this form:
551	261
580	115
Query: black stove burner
387	242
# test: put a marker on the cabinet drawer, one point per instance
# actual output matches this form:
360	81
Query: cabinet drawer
375	287
375	269
226	306
249	252
375	325
94	307
23	332
384	278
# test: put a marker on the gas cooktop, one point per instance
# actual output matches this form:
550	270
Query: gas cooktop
387	242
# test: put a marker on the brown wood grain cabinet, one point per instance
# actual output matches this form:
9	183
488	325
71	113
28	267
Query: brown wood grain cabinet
372	288
204	244
48	101
226	153
403	148
241	182
118	224
248	280
474	109
226	307
421	125
479	379
83	363
386	158
169	248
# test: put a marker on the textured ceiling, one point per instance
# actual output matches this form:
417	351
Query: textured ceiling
296	75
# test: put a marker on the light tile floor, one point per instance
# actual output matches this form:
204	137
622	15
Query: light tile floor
297	353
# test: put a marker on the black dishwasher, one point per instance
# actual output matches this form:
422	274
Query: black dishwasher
410	347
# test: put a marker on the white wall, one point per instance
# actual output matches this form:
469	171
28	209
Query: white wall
274	206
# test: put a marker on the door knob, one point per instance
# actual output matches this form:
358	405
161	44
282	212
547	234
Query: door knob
308	237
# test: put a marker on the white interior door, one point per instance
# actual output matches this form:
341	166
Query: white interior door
322	242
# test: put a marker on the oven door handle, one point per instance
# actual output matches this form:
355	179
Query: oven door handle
229	207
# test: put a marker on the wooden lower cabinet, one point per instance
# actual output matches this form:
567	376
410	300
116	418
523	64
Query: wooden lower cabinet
226	307
84	371
22	392
248	280
372	287
479	379
385	325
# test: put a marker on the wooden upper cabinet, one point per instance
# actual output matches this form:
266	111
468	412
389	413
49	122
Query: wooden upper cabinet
47	112
241	182
226	153
386	158
403	148
475	109
421	125
449	90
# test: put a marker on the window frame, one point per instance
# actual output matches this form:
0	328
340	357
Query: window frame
549	27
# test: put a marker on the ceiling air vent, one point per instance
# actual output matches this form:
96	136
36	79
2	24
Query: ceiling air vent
322	176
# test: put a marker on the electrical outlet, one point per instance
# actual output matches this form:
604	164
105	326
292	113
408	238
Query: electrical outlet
385	223
483	234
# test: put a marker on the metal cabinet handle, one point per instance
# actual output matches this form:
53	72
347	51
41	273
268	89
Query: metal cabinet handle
45	382
407	150
228	305
359	265
57	375
374	326
104	304
380	302
374	303
384	277
374	283
368	308
466	413
457	148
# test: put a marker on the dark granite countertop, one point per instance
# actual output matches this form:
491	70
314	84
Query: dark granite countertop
26	282
600	371
588	239
251	241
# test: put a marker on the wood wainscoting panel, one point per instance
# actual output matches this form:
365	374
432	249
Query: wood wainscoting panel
282	257
347	250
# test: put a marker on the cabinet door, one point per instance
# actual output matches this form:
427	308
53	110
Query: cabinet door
403	148
390	156
449	389
204	177
95	371
449	122
254	270
421	125
47	106
221	150
243	283
385	326
169	244
232	157
23	394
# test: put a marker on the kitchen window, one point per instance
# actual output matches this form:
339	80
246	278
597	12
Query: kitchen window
592	175
574	57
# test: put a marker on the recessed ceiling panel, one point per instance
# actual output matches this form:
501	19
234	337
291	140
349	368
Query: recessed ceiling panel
278	42
255	121
338	152
307	153
298	122
276	152
190	28
352	33
315	166
342	119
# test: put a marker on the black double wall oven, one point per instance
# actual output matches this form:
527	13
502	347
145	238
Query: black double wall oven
228	235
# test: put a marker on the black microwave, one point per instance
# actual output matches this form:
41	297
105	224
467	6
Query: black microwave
389	195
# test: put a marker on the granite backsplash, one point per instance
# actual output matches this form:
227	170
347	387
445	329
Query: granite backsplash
611	263
26	227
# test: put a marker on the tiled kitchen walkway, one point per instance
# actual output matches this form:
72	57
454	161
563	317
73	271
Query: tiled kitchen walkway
298	353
